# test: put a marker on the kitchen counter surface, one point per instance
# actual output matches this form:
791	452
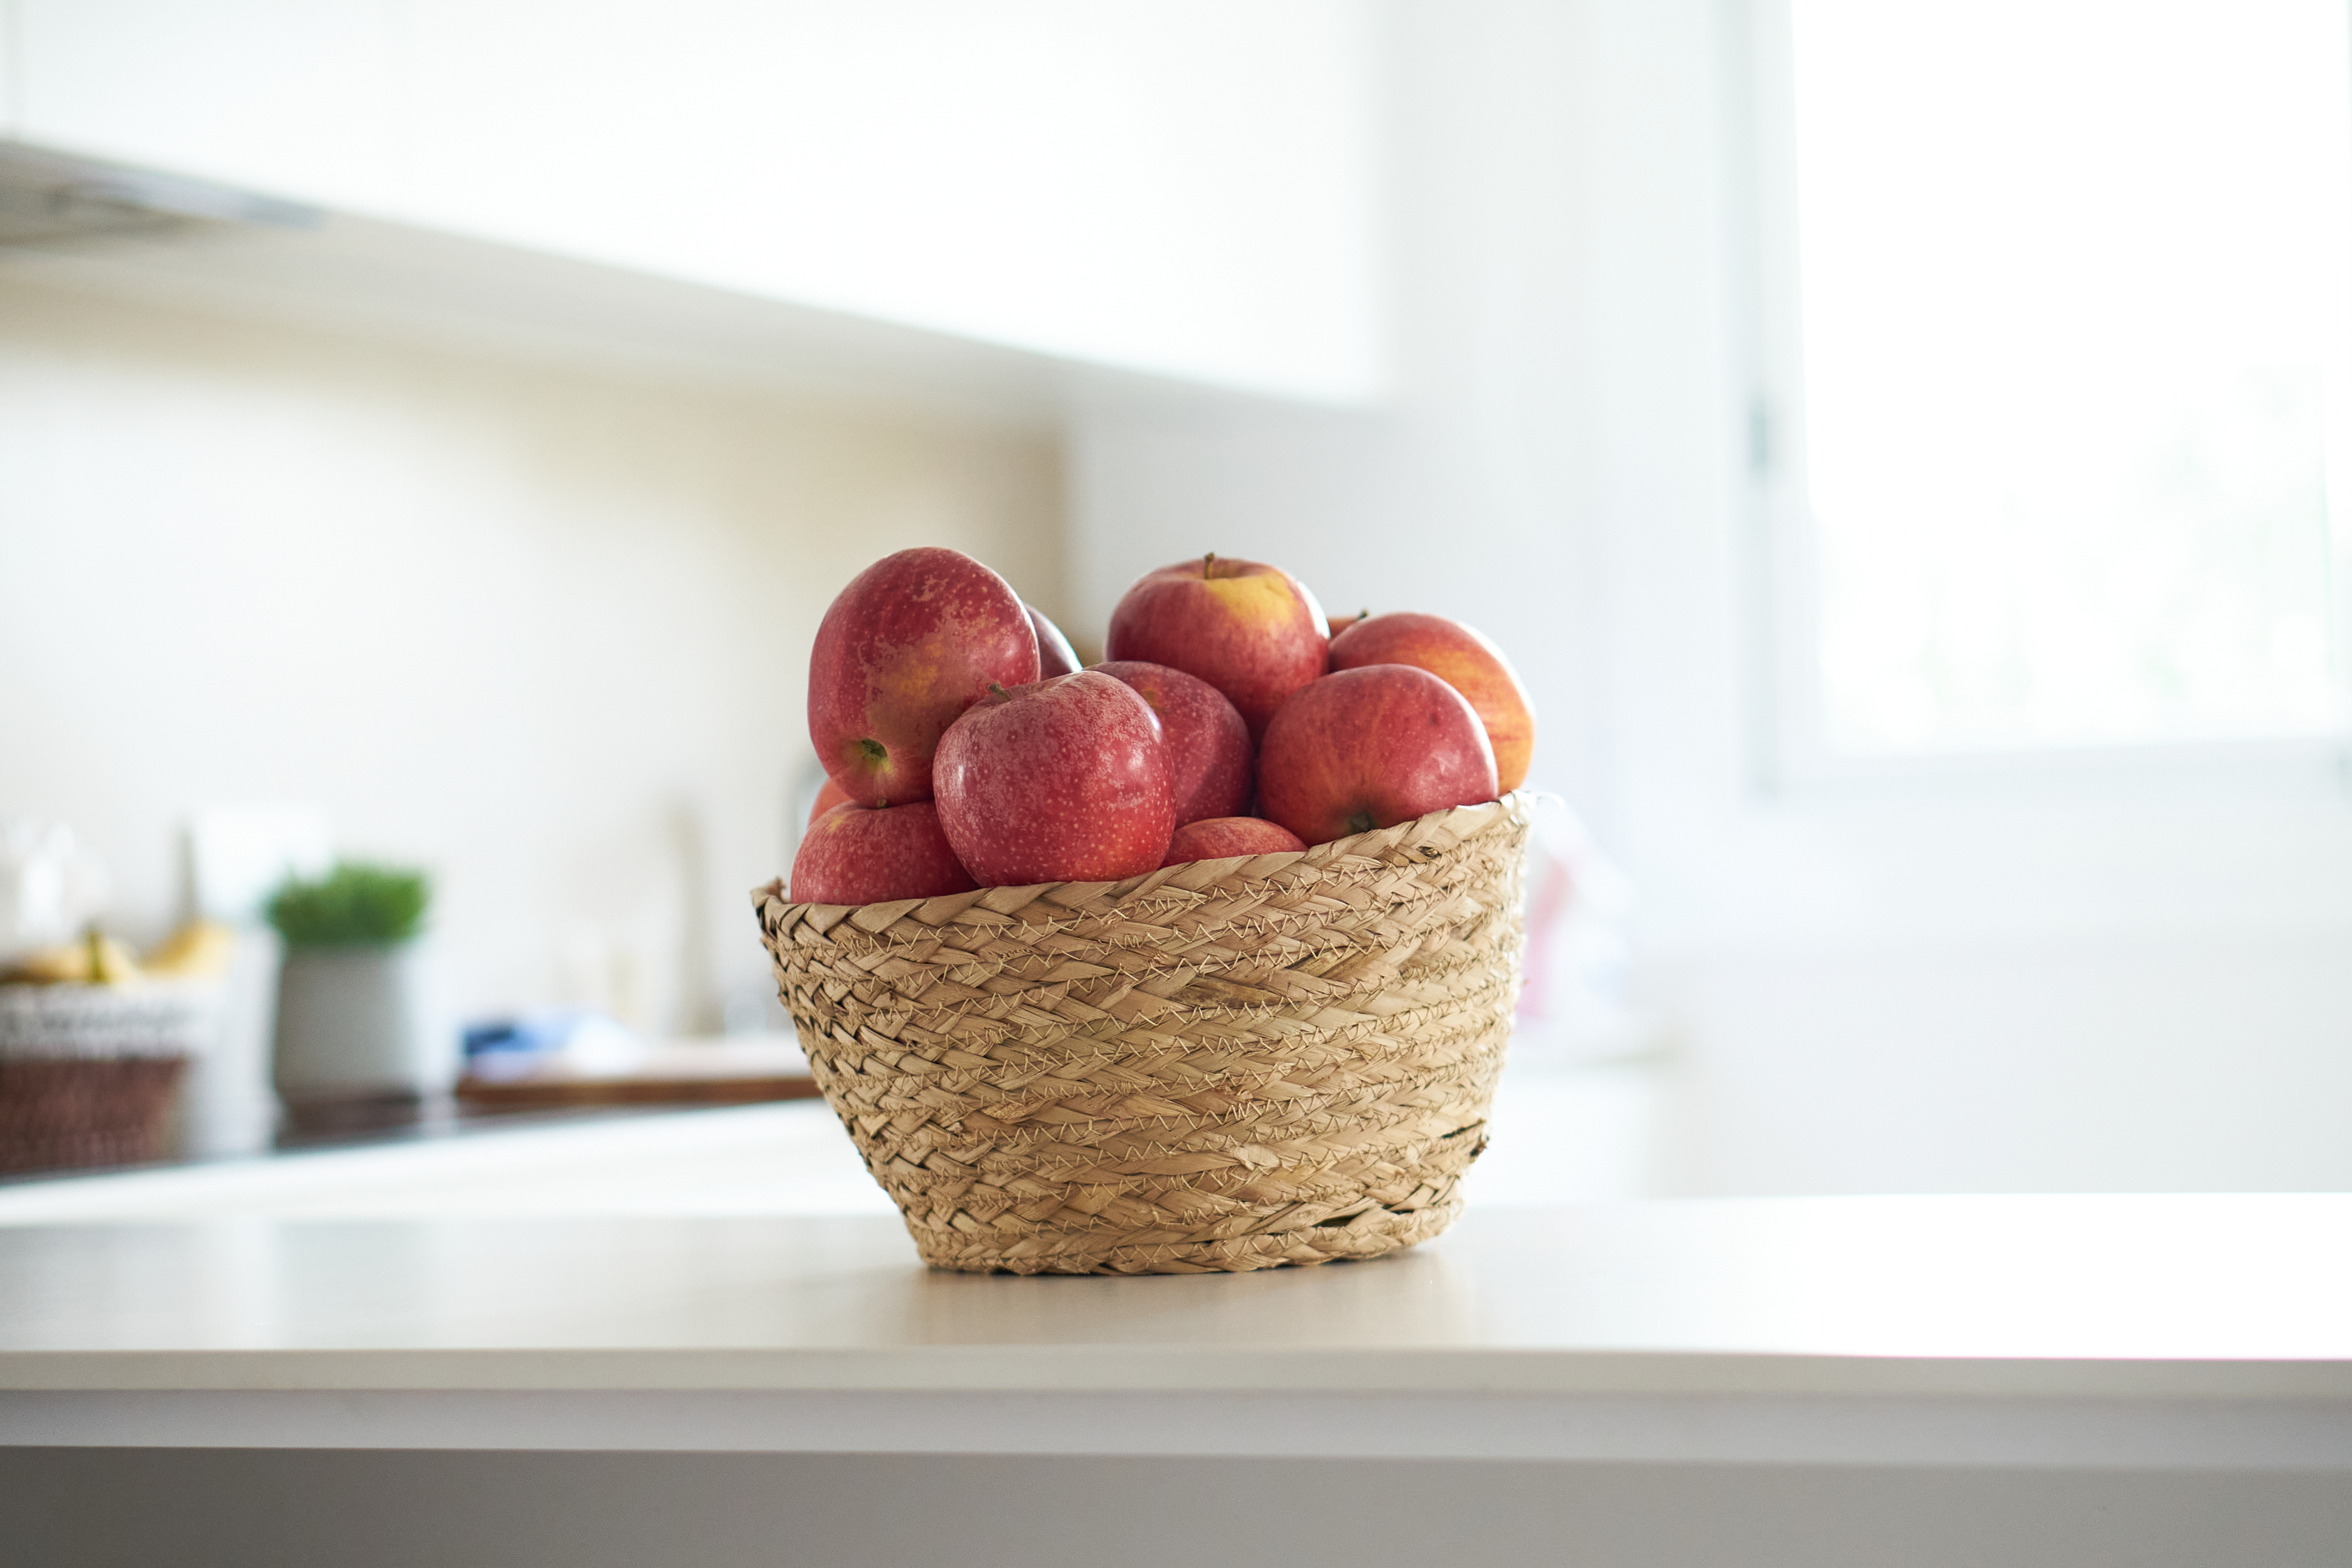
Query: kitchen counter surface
2184	1330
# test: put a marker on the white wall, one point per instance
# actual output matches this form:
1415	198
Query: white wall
1994	979
542	631
600	592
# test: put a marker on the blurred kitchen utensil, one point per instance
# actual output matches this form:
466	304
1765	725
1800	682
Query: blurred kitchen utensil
235	858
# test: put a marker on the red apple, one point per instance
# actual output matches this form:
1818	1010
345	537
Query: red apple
866	855
914	640
1054	654
1463	659
827	798
1060	781
1371	748
1253	632
1217	837
1209	751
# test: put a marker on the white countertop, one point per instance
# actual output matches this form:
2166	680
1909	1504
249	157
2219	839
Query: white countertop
2215	1294
2086	1330
2177	1330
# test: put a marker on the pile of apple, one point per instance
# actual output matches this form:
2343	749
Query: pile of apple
964	747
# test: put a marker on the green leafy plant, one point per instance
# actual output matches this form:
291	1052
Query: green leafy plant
354	905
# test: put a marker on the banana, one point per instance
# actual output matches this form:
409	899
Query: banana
96	959
199	950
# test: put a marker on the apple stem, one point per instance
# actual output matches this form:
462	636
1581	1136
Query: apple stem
1207	563
998	687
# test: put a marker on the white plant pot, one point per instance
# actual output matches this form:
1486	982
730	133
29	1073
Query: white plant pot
361	1022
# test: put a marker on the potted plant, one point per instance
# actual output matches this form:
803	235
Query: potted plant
359	1039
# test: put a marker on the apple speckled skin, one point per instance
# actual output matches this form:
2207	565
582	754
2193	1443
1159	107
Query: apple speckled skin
829	796
864	855
1252	631
1222	837
1371	748
1464	659
914	640
1211	761
1061	781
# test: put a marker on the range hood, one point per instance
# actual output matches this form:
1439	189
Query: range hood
86	223
50	198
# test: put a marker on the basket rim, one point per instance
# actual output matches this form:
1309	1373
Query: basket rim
75	1020
874	919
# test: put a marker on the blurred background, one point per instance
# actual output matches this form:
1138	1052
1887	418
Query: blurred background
1894	442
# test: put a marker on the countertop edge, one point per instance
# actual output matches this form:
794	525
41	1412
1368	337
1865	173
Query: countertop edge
1090	1369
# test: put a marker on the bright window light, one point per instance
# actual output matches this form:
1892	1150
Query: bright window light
2074	289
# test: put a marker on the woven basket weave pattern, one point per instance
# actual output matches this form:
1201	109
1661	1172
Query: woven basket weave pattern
87	1072
1222	1066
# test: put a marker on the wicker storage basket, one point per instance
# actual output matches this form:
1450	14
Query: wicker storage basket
88	1073
1227	1065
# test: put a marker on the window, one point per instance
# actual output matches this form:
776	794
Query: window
2072	281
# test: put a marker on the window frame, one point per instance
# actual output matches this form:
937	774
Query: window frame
1788	745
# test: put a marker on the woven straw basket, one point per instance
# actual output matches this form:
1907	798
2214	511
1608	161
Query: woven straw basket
88	1073
1226	1065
